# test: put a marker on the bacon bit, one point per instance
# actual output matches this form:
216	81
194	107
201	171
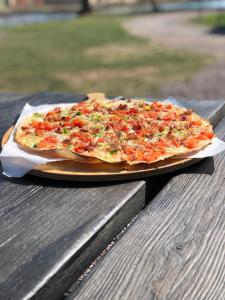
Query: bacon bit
137	126
122	106
58	129
66	142
97	107
183	117
57	110
188	112
24	127
74	107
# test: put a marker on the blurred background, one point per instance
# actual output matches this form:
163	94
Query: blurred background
155	48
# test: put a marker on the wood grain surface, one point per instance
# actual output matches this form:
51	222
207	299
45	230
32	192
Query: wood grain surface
175	249
50	231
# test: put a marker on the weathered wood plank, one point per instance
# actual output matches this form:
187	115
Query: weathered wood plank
175	249
51	231
9	98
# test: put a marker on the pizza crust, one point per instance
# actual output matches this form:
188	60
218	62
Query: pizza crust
99	155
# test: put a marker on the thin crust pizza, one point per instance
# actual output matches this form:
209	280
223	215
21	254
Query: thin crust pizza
114	130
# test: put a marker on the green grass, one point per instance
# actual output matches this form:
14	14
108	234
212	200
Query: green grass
213	20
87	54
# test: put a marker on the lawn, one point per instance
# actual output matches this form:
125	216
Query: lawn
213	20
88	54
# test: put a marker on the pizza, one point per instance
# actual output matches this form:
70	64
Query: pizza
114	130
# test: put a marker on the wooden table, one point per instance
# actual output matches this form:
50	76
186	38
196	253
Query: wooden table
51	231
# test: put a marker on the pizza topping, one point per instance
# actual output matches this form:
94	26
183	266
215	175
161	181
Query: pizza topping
47	143
117	130
78	123
66	131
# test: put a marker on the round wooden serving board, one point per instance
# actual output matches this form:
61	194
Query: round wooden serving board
71	170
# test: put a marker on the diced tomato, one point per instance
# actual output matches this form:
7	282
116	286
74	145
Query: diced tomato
168	118
175	143
124	128
143	132
210	135
100	140
196	123
169	106
77	106
152	156
67	124
139	155
133	110
156	106
78	148
160	144
68	118
84	137
84	111
42	126
48	142
78	123
51	139
150	114
206	135
191	143
129	150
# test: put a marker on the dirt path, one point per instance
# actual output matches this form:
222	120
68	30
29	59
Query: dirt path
175	31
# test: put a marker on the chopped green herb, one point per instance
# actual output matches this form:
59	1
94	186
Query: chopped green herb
96	117
78	113
113	151
37	115
35	146
65	131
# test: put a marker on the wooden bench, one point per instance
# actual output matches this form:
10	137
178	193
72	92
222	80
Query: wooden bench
51	231
176	247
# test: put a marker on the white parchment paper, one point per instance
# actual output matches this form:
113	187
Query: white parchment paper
16	162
